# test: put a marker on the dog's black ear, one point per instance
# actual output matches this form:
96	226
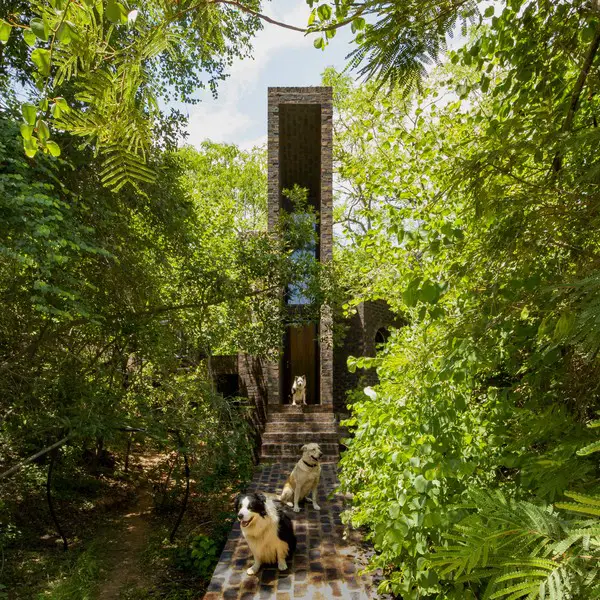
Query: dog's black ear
262	511
236	503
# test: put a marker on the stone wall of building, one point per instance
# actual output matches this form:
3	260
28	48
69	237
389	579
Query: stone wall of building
323	199
252	373
362	332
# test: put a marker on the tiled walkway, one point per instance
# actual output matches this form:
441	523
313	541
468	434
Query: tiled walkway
325	564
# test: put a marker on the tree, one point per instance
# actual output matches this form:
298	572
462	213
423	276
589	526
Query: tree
98	70
492	257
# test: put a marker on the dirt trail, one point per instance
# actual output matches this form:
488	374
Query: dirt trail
132	533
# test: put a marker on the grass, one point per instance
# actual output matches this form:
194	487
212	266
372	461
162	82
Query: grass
81	580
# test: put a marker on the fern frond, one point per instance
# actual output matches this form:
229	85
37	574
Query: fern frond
584	499
579	508
589	449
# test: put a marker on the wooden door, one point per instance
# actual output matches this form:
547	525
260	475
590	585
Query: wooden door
301	358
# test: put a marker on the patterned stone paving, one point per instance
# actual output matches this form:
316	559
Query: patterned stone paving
325	564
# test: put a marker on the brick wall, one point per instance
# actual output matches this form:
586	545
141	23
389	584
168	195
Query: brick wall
253	385
359	340
290	158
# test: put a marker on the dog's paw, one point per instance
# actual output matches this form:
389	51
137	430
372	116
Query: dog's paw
316	506
251	571
282	566
296	509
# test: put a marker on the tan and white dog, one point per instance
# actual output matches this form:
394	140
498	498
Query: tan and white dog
304	479
299	390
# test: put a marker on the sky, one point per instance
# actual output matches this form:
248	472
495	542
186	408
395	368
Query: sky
281	58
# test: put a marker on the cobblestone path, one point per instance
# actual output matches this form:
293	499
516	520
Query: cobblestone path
325	564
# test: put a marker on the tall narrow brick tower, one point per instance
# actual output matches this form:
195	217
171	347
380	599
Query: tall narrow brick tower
300	153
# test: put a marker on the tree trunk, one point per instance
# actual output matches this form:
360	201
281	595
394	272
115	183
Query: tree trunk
53	457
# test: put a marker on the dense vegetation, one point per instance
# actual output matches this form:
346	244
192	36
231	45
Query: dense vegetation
474	210
469	201
126	264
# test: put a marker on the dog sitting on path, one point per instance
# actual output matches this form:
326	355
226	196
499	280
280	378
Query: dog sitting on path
304	479
299	390
267	529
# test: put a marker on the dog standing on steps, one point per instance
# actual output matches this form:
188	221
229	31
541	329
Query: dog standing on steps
305	477
299	390
267	529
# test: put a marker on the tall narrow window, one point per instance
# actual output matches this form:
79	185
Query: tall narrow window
298	292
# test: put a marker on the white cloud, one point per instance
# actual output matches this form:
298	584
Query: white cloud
261	140
228	118
219	123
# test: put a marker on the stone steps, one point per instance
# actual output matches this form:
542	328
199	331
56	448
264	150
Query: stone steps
299	418
300	437
289	427
285	451
306	409
316	428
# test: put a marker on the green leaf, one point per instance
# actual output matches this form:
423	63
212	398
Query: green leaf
43	130
584	498
41	59
53	148
39	28
26	131
484	83
29	37
63	35
62	103
31	147
319	43
116	12
587	34
29	112
324	12
420	484
592	511
430	292
589	449
5	29
358	23
564	326
410	295
489	12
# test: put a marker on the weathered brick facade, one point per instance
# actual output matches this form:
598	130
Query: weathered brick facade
300	152
367	328
292	159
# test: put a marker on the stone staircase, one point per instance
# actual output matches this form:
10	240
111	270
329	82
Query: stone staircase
289	427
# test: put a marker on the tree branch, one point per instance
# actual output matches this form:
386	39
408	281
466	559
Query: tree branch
272	21
576	94
33	457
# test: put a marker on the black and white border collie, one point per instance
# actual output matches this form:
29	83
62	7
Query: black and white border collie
267	529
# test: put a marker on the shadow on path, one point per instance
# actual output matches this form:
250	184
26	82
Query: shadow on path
326	561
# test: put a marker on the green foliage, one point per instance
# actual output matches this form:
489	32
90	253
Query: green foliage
481	230
522	550
118	302
200	556
395	40
98	69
